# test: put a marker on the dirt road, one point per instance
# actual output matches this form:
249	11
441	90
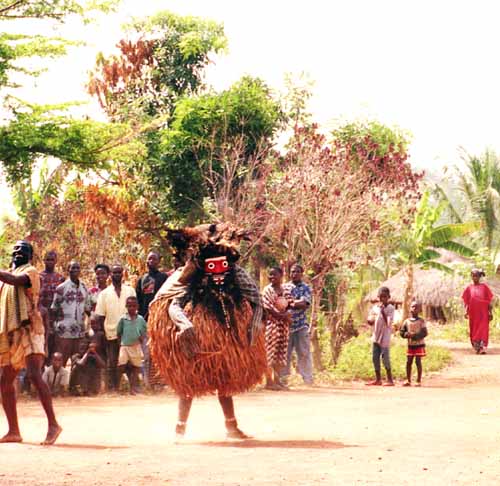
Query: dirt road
445	433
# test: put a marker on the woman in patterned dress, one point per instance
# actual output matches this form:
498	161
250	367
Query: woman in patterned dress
277	320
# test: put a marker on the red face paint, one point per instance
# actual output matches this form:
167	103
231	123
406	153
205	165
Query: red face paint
216	265
217	268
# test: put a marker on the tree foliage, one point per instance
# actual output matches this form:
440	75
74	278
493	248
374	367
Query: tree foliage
53	9
91	224
163	60
15	48
45	131
382	150
479	187
203	130
328	210
419	242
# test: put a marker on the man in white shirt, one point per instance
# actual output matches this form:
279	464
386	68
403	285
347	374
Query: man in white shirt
56	376
109	309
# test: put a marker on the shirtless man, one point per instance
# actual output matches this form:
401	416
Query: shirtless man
22	340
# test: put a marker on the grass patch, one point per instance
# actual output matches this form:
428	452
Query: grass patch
458	331
355	362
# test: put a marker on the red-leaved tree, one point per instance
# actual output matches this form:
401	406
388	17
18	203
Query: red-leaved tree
327	207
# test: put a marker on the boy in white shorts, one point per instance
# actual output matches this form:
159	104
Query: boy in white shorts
131	331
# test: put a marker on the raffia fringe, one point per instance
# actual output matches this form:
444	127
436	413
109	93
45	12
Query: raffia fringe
224	365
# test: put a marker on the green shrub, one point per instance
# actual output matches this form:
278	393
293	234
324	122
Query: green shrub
355	362
458	331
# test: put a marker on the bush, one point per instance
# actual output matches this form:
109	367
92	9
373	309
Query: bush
458	331
355	362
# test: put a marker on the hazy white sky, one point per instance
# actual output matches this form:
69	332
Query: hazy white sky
430	67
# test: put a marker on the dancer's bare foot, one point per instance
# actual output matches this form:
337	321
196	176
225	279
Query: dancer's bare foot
236	433
180	431
52	435
11	437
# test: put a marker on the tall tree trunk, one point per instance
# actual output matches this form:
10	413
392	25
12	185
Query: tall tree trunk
408	295
317	289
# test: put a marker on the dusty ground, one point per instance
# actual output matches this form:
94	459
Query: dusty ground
446	433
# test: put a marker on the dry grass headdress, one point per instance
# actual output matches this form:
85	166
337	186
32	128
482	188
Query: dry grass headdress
207	240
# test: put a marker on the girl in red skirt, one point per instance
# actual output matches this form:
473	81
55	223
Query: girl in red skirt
415	330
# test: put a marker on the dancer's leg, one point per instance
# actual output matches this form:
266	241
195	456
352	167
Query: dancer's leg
232	430
33	365
183	415
9	404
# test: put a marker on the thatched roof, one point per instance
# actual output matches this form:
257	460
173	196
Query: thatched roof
432	287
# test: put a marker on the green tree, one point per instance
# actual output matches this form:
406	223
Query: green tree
203	131
420	243
15	48
37	134
165	62
480	186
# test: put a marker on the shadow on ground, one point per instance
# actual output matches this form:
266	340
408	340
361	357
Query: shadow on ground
78	446
284	444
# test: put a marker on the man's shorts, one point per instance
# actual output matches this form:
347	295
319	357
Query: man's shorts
130	354
33	343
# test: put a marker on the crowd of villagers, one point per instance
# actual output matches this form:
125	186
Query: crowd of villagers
97	334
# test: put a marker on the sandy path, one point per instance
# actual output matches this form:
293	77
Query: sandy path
445	433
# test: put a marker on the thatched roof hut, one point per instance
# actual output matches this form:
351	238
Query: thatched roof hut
432	287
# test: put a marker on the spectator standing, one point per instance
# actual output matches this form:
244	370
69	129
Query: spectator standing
478	299
415	330
71	304
86	368
277	321
102	272
131	331
49	280
109	310
299	339
381	318
146	289
56	376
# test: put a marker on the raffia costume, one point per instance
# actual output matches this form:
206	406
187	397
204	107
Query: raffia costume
227	319
21	327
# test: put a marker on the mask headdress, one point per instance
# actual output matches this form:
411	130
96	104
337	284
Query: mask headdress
207	241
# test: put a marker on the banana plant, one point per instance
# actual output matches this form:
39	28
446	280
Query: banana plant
422	240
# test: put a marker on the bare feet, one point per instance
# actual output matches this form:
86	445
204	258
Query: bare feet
235	433
180	430
407	383
374	383
389	383
52	435
11	437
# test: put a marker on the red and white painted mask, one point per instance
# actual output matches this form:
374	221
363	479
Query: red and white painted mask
216	268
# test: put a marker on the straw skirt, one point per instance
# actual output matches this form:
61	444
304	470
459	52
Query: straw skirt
226	364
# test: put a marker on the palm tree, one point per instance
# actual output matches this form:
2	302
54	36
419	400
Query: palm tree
419	245
480	186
